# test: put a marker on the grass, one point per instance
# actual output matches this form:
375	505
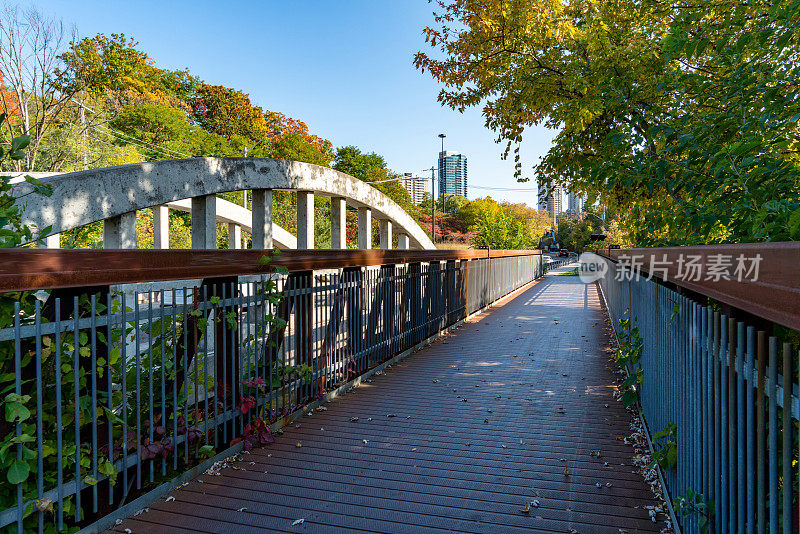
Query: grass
572	272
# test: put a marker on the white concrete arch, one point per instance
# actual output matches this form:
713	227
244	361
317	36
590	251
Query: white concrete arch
113	194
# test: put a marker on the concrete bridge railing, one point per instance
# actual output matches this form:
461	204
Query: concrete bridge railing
114	194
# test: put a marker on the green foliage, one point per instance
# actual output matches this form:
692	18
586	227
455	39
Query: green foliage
12	232
694	504
499	231
575	234
628	357
682	119
350	160
665	444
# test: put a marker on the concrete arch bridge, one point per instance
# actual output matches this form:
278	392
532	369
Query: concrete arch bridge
114	194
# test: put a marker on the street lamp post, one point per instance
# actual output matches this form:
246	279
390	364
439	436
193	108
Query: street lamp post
441	174
433	210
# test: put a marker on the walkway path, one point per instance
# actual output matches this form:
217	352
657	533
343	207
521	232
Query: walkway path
456	438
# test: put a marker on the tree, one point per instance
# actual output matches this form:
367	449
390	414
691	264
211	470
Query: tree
350	160
114	68
499	231
37	86
228	112
682	117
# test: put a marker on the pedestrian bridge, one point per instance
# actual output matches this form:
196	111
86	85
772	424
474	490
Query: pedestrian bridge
113	195
398	390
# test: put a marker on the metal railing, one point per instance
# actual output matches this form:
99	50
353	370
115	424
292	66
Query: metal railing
112	391
727	380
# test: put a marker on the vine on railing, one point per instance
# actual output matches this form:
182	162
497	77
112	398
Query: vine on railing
665	447
70	412
695	504
628	357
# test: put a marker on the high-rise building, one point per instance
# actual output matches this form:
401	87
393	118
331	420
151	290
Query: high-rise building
555	202
452	174
416	186
575	202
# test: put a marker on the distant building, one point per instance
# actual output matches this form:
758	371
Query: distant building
416	186
452	174
575	202
553	202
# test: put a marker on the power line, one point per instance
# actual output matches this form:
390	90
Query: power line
512	189
150	158
134	140
160	153
163	150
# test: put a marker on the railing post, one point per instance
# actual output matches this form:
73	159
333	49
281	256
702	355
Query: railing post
262	219
364	228
338	223
305	219
120	231
204	222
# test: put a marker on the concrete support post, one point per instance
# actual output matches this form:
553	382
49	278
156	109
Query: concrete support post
305	219
52	241
338	223
120	231
160	227
386	234
402	241
234	236
262	218
204	222
364	227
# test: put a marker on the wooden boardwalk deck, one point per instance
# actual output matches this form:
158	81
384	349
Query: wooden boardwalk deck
456	438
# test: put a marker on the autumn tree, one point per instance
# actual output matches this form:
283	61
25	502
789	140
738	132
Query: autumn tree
682	117
228	112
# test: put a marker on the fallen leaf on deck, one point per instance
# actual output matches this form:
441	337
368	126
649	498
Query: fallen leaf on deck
298	521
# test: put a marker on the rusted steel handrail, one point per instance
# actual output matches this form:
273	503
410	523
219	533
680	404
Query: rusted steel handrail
33	269
774	295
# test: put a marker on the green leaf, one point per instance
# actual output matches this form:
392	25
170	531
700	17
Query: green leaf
90	480
16	412
206	451
20	142
18	472
23	438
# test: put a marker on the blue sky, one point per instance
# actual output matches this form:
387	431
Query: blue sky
344	67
